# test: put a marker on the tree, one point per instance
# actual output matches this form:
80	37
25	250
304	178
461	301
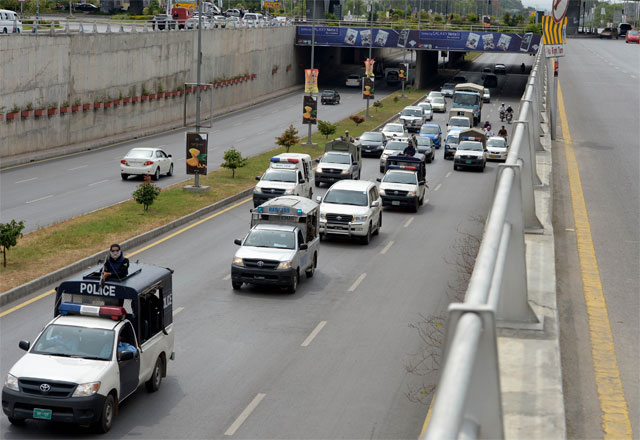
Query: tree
233	159
357	119
146	193
327	128
9	234
378	105
289	138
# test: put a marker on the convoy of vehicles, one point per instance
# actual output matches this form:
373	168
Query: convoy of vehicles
342	160
78	369
288	174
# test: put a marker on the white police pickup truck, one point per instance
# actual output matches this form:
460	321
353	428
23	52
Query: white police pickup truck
103	343
288	174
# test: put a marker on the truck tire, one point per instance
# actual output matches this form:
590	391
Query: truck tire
294	283
310	270
153	384
236	285
108	414
377	231
367	238
124	176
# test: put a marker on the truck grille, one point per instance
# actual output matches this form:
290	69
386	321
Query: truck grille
275	191
339	218
331	171
256	263
40	387
469	157
393	192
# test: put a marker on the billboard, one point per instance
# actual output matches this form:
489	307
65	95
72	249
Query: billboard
368	88
420	39
309	110
197	144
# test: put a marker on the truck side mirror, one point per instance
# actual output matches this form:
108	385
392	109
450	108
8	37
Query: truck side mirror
303	247
126	355
24	345
237	241
378	179
318	199
375	204
257	177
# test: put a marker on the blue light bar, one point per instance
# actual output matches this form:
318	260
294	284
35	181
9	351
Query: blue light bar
69	308
275	159
114	312
260	209
299	211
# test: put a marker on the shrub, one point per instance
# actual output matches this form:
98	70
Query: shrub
357	119
378	105
233	159
327	128
289	138
9	234
146	193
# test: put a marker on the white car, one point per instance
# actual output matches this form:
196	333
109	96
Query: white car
401	187
439	104
143	161
427	110
393	129
192	23
447	89
412	117
351	208
486	97
458	123
470	154
497	148
10	22
353	81
393	148
434	94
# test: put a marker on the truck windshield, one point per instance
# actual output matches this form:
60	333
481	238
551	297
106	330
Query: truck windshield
271	239
77	342
346	197
280	176
470	146
336	158
407	178
465	99
459	122
410	112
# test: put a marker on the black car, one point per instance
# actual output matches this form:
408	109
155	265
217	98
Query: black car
500	69
372	143
86	7
162	21
458	79
330	97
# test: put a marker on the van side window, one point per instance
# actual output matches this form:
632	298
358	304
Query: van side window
305	166
151	313
300	178
300	238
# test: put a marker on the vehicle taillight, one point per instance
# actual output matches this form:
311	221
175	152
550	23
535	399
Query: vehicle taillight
148	162
124	162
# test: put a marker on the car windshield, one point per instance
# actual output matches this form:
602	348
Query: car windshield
336	158
410	112
438	100
394	145
280	175
633	33
424	141
470	146
141	154
435	94
448	86
346	197
76	342
486	91
429	129
270	239
453	139
425	106
496	143
395	128
328	93
465	99
396	177
370	136
459	122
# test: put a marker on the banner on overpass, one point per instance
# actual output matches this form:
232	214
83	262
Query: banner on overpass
417	39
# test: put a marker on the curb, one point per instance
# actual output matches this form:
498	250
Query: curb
60	274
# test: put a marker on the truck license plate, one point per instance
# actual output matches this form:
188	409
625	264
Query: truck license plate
467	161
395	202
493	156
39	413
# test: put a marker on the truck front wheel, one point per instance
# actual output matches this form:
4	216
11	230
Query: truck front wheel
153	384
294	283
108	413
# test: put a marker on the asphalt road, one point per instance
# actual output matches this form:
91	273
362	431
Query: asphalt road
600	85
237	348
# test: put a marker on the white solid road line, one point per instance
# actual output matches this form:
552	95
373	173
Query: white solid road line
227	278
37	200
448	174
357	282
314	333
178	310
438	187
26	180
386	248
245	414
406	225
77	168
98	183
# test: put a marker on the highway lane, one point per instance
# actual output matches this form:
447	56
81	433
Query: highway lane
349	382
599	81
54	190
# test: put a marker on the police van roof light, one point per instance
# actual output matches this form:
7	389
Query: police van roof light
276	159
260	209
299	211
114	312
471	138
402	167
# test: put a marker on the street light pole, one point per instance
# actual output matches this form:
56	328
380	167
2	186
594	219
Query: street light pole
197	178
313	43
404	50
370	45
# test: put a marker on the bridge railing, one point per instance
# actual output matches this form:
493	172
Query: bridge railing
467	403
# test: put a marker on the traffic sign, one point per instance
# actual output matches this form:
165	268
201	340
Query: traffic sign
559	10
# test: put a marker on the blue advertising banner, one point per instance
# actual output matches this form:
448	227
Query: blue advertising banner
414	39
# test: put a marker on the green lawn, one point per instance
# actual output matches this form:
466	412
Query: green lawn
45	250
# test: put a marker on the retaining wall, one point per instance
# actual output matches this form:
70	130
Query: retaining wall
47	70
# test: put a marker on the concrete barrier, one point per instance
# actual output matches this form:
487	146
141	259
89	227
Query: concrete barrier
47	70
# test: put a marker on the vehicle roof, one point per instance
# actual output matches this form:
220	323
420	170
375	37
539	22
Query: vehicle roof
496	137
431	124
448	85
275	227
469	87
435	92
294	156
86	321
412	107
293	202
499	65
146	148
394	124
358	185
390	171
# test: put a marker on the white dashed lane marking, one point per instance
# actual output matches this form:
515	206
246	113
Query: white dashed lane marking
41	198
357	282
438	187
178	310
98	183
245	414
26	180
77	168
227	278
406	225
448	174
314	333
386	248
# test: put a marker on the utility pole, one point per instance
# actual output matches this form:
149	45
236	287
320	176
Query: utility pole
197	178
404	50
370	45
313	43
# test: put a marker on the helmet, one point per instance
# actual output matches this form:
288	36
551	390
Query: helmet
503	103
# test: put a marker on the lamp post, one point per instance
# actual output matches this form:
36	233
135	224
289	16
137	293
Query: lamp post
370	44
404	50
313	43
197	178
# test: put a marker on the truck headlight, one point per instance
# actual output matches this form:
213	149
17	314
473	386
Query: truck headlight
11	382
360	218
323	216
318	170
285	265
411	193
344	172
382	192
237	261
290	191
86	389
257	190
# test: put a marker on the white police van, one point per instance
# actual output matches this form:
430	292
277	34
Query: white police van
288	174
79	368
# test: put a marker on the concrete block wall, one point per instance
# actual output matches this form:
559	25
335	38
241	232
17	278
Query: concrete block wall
51	69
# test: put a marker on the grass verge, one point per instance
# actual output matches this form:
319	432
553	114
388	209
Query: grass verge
48	249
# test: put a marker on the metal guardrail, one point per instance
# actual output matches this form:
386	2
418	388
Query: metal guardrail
467	403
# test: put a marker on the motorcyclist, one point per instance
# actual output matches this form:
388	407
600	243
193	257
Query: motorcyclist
509	114
502	110
503	132
509	109
488	131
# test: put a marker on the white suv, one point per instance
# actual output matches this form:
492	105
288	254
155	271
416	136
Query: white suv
351	208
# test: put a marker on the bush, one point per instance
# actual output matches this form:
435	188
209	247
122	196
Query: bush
378	105
357	119
327	128
146	193
233	159
9	234
289	138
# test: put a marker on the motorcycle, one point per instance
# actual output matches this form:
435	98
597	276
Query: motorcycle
501	115
509	117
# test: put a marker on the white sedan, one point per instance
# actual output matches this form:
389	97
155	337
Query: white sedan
434	94
439	104
427	110
497	148
393	130
146	161
353	81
